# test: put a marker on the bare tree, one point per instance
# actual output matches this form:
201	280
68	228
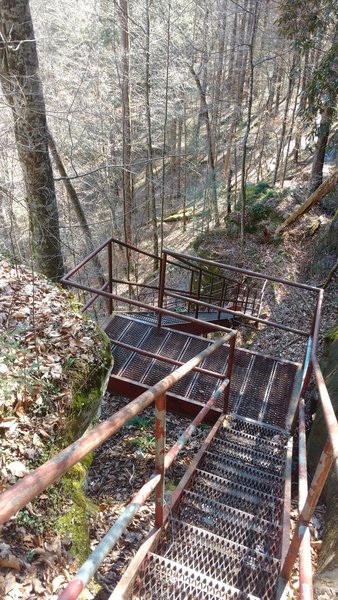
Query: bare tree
19	76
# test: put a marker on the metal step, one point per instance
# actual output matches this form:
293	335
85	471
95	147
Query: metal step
238	496
260	444
163	579
251	572
246	475
236	525
250	456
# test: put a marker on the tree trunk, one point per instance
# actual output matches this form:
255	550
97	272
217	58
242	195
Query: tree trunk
248	122
211	158
126	121
149	139
319	155
73	197
315	197
285	120
19	75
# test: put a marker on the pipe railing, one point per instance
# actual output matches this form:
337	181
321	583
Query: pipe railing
308	498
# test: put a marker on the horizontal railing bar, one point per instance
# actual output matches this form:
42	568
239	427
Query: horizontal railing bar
240	270
197	269
35	483
83	262
237	313
165	359
162	311
91	565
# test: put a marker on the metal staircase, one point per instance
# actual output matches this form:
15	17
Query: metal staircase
224	531
223	539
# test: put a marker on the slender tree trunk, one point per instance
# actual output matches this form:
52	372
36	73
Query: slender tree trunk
19	76
319	155
127	184
285	121
164	143
74	199
302	105
211	158
149	136
248	122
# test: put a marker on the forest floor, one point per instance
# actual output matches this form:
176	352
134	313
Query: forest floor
36	561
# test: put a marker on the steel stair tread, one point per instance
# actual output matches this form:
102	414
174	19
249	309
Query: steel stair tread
265	431
252	457
250	571
237	496
262	445
263	481
161	578
246	529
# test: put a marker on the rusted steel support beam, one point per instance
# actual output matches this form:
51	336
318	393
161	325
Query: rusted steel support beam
160	435
241	314
310	504
305	566
170	361
33	484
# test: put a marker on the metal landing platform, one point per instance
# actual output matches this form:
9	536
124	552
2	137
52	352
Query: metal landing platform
262	388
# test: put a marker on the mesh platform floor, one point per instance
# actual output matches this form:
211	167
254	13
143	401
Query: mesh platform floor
260	388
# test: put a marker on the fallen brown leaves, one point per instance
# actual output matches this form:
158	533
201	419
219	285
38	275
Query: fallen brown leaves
41	337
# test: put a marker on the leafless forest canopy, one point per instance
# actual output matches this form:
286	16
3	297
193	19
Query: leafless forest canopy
154	107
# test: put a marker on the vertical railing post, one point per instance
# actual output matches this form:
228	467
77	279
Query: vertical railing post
110	276
305	566
199	284
161	285
191	289
310	504
231	357
222	299
160	434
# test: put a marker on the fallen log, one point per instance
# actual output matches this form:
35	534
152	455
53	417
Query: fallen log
316	197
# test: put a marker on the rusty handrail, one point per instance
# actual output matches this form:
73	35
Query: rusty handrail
215	263
35	483
238	313
299	544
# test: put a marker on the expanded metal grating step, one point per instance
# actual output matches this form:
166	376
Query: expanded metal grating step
161	578
250	456
238	496
249	571
246	475
231	523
